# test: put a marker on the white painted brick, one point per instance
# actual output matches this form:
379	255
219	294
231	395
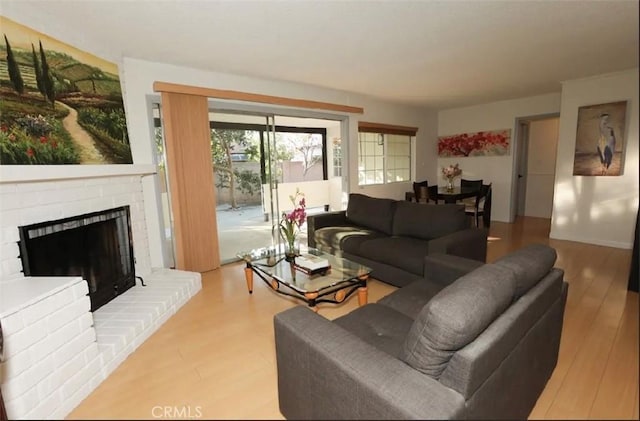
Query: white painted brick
12	324
72	367
86	321
8	188
24	338
41	214
10	251
55	340
75	347
11	269
15	365
41	309
19	407
80	378
106	351
26	380
9	233
12	217
98	378
78	397
36	187
50	385
91	353
68	313
45	407
80	289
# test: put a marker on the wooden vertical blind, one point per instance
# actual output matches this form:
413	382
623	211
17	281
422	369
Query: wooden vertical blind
368	127
187	135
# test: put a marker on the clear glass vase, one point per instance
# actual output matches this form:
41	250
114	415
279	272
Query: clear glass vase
449	184
291	249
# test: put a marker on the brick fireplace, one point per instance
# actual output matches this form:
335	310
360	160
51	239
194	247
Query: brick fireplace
56	350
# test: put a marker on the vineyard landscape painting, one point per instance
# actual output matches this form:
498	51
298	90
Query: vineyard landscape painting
58	104
491	143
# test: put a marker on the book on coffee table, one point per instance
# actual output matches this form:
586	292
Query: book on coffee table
311	262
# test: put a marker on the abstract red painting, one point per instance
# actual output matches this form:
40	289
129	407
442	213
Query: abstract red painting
491	143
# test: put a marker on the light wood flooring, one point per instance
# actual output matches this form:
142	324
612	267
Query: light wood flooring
215	358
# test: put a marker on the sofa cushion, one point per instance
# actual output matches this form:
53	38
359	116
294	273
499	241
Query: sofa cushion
529	264
428	221
410	299
402	252
371	212
456	316
378	325
335	239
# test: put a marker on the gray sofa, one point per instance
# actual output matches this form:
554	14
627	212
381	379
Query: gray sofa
474	341
393	237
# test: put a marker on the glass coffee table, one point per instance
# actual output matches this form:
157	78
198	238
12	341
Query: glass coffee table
334	285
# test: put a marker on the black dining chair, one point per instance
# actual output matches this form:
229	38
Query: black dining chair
470	184
433	194
476	184
421	191
481	207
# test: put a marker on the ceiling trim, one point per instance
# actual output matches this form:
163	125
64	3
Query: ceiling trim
251	97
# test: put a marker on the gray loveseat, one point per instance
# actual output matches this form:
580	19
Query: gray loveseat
472	342
393	237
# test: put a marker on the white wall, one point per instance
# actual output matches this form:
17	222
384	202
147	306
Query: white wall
541	167
498	170
597	210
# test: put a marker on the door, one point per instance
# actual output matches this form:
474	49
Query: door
521	167
257	157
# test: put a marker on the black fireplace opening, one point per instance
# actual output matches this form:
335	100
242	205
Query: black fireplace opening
96	246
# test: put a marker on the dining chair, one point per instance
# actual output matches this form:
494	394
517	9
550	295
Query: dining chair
433	193
471	183
481	207
474	184
421	191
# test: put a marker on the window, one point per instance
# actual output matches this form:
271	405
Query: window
337	157
384	153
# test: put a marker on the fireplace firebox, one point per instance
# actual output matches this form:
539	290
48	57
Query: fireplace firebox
96	246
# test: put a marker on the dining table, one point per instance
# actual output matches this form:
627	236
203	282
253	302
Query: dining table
458	193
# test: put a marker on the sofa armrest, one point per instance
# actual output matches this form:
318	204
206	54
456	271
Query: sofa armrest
470	243
446	268
326	372
322	220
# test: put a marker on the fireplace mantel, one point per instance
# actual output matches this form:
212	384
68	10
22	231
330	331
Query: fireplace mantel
27	173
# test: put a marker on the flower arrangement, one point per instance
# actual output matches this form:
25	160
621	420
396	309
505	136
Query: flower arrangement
291	222
451	172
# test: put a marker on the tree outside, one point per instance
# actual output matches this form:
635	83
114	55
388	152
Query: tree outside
236	161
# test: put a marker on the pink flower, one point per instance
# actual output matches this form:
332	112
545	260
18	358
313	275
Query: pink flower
30	152
43	139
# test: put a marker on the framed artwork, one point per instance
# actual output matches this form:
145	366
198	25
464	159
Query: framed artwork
58	104
492	143
600	139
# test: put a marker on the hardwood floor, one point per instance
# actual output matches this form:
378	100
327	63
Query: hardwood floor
215	358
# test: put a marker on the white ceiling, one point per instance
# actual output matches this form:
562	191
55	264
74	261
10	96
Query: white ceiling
439	54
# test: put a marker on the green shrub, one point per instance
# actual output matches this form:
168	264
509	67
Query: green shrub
18	147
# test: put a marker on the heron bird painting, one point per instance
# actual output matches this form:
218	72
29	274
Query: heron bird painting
600	139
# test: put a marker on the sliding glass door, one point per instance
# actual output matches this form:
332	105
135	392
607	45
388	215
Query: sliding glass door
259	161
270	158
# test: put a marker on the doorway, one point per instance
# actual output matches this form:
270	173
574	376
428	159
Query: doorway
257	157
537	144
